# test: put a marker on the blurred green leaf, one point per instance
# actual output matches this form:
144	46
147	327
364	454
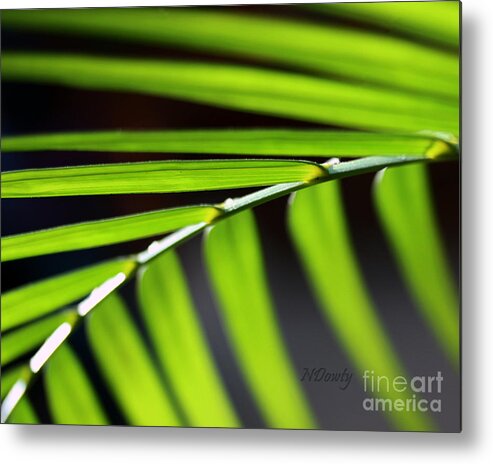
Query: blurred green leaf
127	367
438	21
347	52
102	232
154	177
405	206
269	142
320	234
236	270
176	334
24	412
71	397
9	376
34	300
25	339
245	88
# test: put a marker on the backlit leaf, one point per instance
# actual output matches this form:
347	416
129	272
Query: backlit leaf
36	299
154	177
21	341
268	142
177	337
236	269
437	21
126	366
71	397
24	412
347	52
243	88
102	232
320	234
404	203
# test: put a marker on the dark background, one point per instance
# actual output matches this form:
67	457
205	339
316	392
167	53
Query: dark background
28	108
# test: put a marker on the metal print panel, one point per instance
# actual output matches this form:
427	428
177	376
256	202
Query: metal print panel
232	216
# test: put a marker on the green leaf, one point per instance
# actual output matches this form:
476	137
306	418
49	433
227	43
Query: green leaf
126	366
181	347
102	232
25	339
436	21
236	269
154	177
34	300
346	52
71	397
24	412
320	234
9	377
404	203
125	228
239	87
269	142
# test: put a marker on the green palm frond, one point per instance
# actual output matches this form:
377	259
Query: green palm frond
390	101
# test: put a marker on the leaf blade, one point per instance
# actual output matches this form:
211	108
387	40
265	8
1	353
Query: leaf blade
326	49
71	396
261	142
319	232
102	232
438	21
126	366
154	177
248	89
25	339
238	278
180	344
23	412
404	204
34	300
